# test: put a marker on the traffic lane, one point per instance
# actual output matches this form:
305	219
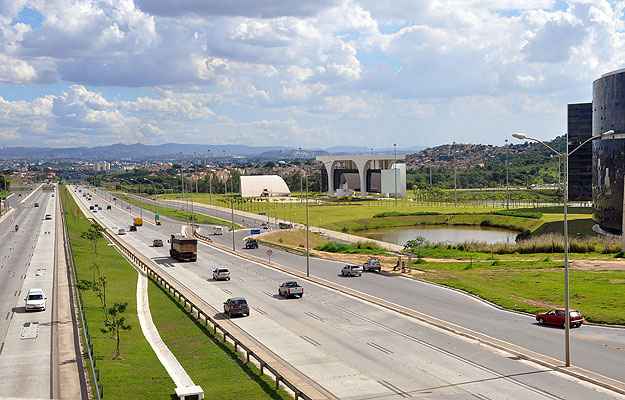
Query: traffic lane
26	355
255	282
455	307
15	252
600	349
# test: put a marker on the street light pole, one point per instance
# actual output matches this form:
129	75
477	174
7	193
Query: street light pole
507	176
395	171
565	199
307	230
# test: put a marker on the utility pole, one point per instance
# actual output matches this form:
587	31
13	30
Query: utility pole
430	176
453	145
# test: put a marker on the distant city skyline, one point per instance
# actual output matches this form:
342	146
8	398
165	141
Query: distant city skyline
301	74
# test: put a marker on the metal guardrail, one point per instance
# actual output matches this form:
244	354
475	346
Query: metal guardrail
88	344
281	372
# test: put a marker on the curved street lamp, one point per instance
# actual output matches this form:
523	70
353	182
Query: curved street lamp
566	155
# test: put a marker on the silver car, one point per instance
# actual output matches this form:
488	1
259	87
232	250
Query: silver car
351	270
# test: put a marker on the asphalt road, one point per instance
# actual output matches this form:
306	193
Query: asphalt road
16	249
600	349
354	349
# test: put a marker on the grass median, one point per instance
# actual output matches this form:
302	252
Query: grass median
210	363
138	369
175	213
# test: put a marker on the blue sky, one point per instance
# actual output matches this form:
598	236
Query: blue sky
311	74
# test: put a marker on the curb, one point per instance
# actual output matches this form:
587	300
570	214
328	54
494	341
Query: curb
518	351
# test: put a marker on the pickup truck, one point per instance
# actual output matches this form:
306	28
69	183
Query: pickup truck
372	265
284	225
290	289
221	274
351	270
251	244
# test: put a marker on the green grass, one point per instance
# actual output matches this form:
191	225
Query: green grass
351	216
177	214
535	286
210	364
138	368
356	248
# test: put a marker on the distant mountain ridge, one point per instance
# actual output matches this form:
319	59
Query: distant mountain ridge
139	152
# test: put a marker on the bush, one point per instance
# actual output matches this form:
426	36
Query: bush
548	243
404	214
358	248
520	213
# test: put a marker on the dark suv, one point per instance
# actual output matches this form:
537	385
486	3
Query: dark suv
236	306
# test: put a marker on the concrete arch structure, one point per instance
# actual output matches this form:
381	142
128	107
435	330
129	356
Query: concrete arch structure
364	163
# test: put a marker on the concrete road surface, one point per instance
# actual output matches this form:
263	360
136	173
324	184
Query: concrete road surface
353	348
600	349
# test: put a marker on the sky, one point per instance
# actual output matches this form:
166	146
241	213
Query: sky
311	73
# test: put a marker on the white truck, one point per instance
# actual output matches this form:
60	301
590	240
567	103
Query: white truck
291	289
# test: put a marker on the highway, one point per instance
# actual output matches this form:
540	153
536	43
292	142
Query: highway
353	348
599	349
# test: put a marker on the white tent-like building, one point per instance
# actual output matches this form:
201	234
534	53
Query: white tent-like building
263	186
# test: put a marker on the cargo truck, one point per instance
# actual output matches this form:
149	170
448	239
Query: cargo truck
183	248
137	221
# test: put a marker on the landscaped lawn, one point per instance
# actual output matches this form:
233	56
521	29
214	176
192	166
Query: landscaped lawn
210	364
535	286
138	367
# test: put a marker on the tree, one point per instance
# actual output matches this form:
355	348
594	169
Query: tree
414	246
115	323
93	234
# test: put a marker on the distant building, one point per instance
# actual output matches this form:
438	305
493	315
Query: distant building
263	186
364	173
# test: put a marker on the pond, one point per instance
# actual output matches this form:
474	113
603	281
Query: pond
441	234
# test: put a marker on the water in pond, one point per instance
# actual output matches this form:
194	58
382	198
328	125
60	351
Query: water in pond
441	234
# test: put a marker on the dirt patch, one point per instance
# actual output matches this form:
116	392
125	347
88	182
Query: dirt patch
534	303
598	265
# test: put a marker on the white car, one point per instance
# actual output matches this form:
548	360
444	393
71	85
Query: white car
121	231
221	274
35	300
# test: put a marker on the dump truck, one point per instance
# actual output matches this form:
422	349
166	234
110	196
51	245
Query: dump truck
137	221
183	248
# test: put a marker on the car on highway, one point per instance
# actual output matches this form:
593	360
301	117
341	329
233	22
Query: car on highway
236	306
221	274
48	217
290	289
251	243
264	225
372	265
121	231
351	270
132	228
557	316
91	208
35	300
108	207
36	205
157	243
284	225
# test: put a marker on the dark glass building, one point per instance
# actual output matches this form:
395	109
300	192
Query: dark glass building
579	127
608	155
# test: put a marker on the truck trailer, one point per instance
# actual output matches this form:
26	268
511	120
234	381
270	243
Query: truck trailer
183	248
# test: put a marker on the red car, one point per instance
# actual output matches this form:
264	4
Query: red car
556	318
